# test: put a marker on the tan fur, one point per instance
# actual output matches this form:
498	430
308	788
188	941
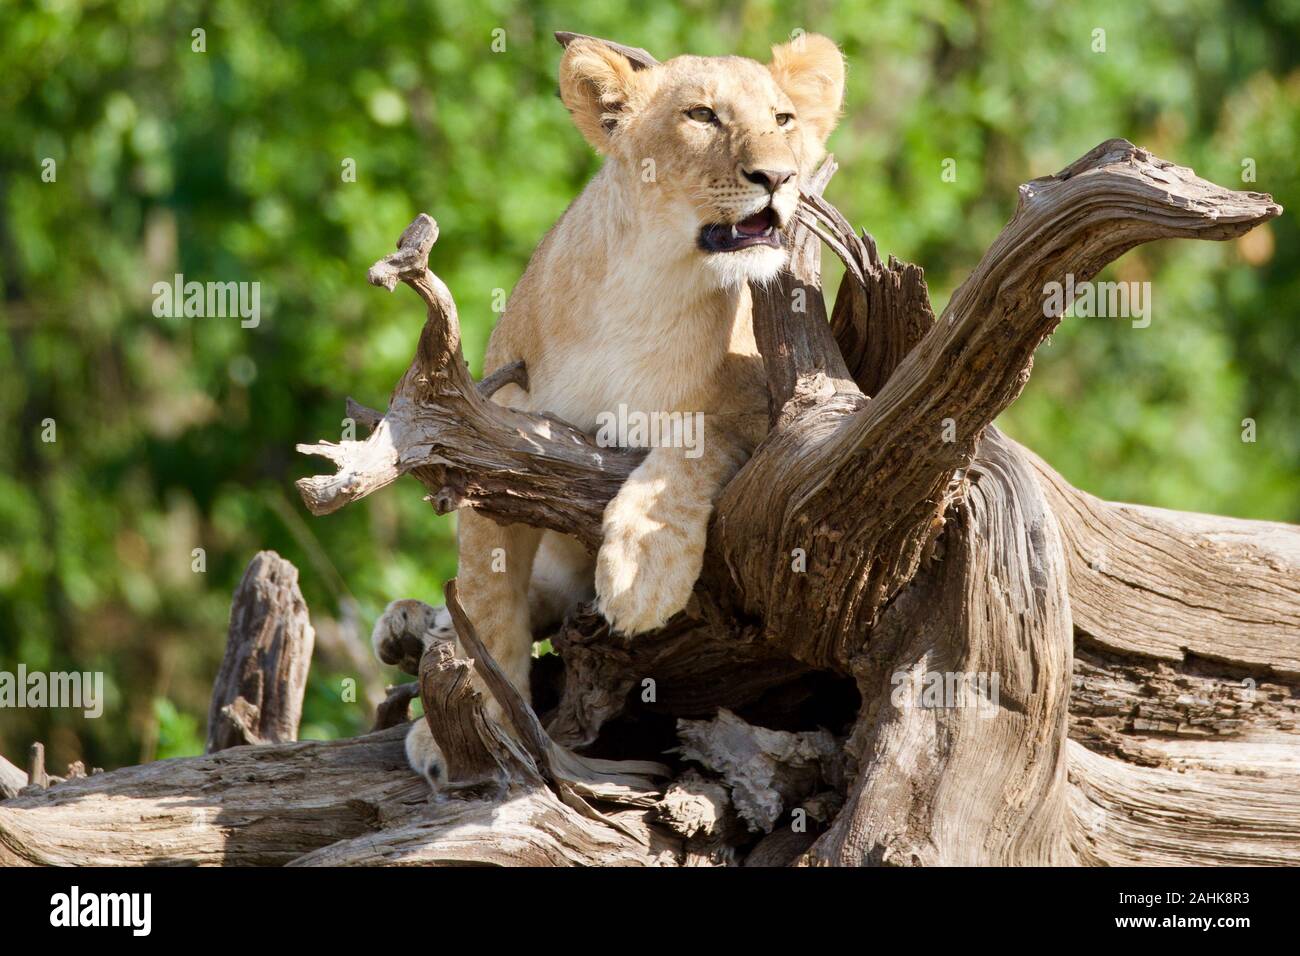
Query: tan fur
620	305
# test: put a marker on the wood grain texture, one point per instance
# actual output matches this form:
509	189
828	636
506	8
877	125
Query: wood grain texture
904	449
989	762
1137	816
246	805
257	696
529	828
1169	584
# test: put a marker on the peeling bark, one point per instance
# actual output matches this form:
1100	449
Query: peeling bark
768	773
700	811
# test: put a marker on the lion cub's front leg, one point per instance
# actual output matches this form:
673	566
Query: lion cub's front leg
654	532
400	637
495	564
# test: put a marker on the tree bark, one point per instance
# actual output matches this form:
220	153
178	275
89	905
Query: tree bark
257	697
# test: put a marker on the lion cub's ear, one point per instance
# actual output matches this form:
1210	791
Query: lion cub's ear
600	87
810	68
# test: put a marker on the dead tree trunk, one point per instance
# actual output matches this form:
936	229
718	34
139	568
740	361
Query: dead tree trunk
913	642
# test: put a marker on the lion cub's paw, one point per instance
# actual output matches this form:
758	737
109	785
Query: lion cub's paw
424	755
645	570
406	629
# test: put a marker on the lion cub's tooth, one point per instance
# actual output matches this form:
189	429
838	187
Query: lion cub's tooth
734	233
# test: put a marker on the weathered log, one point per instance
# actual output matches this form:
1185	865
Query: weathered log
257	697
1139	816
12	779
1169	584
993	518
353	801
350	802
261	805
531	828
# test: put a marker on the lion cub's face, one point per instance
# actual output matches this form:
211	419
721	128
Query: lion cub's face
714	147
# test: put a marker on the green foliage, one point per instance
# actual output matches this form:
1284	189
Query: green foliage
178	732
175	434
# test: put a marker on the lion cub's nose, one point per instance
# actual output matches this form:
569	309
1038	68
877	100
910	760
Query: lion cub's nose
769	179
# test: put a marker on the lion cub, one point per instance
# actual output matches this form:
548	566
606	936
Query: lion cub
637	304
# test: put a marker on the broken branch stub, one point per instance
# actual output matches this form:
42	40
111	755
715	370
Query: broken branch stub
803	365
475	752
882	310
257	696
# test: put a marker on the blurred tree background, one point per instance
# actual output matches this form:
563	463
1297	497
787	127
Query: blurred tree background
227	164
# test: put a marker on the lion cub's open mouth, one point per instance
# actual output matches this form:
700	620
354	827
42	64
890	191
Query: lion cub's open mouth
760	229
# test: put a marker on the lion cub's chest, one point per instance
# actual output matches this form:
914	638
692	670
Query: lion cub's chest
646	356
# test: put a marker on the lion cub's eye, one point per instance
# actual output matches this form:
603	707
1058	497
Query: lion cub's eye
783	119
702	114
